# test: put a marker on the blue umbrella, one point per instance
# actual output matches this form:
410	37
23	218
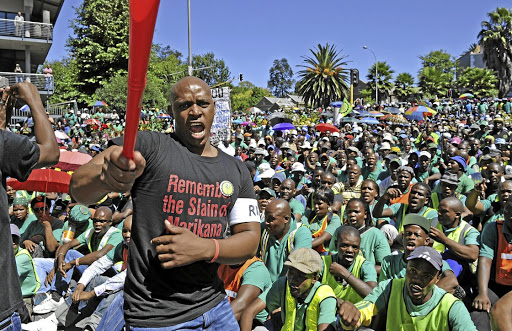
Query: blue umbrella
238	121
369	120
349	120
283	126
336	104
393	110
416	116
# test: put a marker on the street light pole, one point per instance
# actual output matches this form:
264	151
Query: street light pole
189	43
376	75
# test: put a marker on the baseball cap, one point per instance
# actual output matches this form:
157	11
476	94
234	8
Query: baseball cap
450	178
240	136
79	214
15	231
298	167
305	260
500	141
428	254
268	191
259	151
415	219
427	154
432	146
460	160
306	145
408	169
285	145
280	176
455	140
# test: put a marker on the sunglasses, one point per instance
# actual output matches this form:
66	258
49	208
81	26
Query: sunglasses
37	210
97	220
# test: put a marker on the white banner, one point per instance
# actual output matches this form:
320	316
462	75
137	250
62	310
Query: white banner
221	127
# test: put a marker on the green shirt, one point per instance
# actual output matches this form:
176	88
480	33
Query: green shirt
296	207
257	275
31	218
394	266
27	275
421	176
374	245
398	213
276	252
334	224
275	297
466	184
472	236
115	238
458	317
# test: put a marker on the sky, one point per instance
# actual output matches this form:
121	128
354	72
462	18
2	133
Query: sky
250	35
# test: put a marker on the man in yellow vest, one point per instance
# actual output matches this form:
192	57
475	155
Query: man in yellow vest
306	304
347	272
411	303
458	241
100	240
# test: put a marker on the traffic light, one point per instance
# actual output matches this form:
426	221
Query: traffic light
241	77
449	93
354	76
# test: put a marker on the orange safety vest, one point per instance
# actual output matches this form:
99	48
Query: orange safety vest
325	221
404	198
504	259
232	278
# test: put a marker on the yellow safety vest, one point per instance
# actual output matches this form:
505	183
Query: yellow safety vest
399	319
23	251
264	243
103	240
312	311
457	235
347	293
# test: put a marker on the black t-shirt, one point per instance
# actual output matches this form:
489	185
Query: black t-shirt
190	191
18	156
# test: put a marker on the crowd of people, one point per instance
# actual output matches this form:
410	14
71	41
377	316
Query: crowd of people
381	226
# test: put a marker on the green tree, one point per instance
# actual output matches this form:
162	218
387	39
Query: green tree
437	73
99	44
216	69
480	82
281	78
114	92
434	83
65	73
324	78
385	75
404	86
496	39
166	65
247	95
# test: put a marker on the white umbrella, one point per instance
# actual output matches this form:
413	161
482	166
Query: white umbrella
61	135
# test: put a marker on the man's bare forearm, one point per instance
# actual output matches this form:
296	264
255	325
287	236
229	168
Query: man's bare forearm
86	186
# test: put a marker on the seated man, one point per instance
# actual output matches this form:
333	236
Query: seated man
93	288
41	238
458	241
347	272
29	281
243	284
280	236
494	272
411	303
415	234
304	301
99	240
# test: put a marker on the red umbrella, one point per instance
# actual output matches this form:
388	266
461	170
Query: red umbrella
43	180
322	127
92	121
70	161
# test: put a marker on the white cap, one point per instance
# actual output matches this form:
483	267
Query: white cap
425	153
306	145
335	134
297	166
387	136
265	171
261	142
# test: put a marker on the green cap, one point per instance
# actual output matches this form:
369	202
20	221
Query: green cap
20	200
415	219
79	214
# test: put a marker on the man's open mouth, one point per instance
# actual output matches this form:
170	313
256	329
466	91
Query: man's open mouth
197	130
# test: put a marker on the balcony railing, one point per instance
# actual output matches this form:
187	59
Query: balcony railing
43	83
26	30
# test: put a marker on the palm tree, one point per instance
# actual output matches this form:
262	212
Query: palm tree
324	78
496	39
478	81
384	79
403	86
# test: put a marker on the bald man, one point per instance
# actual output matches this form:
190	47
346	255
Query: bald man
95	242
280	236
186	193
458	241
